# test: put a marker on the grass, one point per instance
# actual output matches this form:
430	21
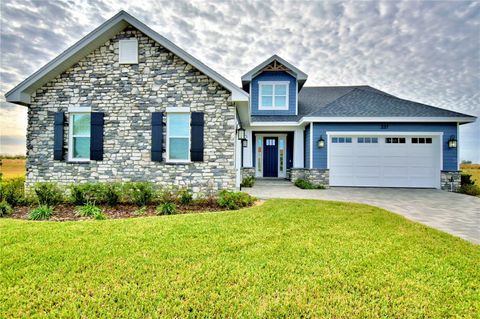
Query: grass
285	258
472	169
12	168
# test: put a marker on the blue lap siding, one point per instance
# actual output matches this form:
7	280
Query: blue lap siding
321	129
274	76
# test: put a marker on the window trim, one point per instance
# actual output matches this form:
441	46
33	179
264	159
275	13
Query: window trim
72	112
273	107
125	41
168	160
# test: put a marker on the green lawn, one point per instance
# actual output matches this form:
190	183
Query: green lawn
283	258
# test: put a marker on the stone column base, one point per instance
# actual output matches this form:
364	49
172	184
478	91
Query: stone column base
314	175
247	172
450	180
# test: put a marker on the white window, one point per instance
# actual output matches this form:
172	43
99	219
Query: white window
273	95
178	137
128	51
79	137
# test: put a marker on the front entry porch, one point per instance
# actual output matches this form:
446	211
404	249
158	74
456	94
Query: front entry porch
272	154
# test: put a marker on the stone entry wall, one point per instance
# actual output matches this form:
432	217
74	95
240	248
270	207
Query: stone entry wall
315	175
128	94
450	180
248	171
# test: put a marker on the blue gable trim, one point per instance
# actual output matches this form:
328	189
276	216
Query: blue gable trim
274	76
450	160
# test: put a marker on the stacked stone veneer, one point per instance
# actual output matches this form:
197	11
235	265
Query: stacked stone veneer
315	175
450	180
128	94
248	172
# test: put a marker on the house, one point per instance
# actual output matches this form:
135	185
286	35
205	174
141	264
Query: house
125	103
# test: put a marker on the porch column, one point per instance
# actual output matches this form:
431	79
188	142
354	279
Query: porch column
247	151
298	151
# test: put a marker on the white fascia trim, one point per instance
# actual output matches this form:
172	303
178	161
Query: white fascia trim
273	108
299	74
179	109
378	133
79	109
255	124
113	25
387	119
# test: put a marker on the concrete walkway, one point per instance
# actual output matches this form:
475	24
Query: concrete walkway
453	213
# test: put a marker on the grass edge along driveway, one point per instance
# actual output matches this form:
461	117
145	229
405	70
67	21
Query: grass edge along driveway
283	258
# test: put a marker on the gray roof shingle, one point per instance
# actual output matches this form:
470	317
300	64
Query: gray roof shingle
356	101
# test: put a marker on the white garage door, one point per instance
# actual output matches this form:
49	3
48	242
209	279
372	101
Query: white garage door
384	161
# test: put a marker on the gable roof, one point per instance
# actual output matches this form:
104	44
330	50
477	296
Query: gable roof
362	103
21	93
300	75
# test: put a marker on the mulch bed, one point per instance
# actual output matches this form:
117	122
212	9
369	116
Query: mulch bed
66	212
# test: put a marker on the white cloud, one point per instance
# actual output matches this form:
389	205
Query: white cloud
423	51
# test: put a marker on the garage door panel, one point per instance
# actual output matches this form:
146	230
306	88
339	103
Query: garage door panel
385	165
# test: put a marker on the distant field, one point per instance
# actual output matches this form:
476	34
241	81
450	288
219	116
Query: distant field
12	168
472	169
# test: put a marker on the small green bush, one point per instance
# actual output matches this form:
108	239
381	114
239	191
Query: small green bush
141	211
167	208
48	194
111	193
185	196
473	190
99	215
13	191
82	194
248	181
234	200
43	212
304	184
139	193
5	209
89	210
466	179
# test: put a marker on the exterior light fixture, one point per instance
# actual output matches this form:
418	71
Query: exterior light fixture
452	142
321	142
241	133
244	143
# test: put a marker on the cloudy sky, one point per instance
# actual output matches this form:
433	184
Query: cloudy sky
425	51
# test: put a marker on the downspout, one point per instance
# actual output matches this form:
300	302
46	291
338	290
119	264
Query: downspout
311	145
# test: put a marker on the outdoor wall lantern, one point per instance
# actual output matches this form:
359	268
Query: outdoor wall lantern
244	143
321	142
241	133
452	142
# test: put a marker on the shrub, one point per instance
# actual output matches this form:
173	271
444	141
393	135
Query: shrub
48	194
140	212
234	200
473	190
304	184
466	179
12	191
248	181
82	194
111	193
167	195
139	193
99	215
43	212
5	208
89	210
185	196
167	208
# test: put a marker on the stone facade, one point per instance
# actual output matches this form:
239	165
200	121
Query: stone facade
450	180
128	94
248	171
315	175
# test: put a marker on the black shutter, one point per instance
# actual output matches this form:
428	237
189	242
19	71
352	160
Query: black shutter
96	136
58	136
157	136
197	123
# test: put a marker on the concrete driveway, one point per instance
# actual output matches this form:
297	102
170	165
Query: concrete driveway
453	213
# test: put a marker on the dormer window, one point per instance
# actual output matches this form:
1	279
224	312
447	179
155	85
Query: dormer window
128	51
273	95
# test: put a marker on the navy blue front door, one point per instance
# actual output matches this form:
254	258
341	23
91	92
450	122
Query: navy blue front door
270	157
